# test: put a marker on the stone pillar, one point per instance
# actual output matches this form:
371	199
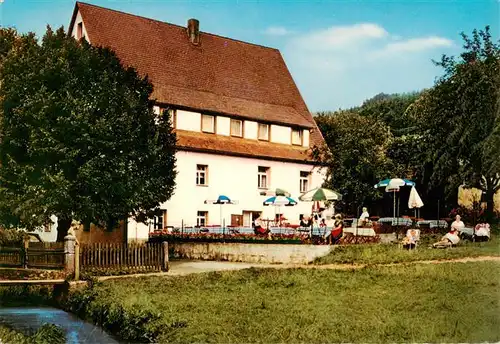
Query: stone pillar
69	253
165	265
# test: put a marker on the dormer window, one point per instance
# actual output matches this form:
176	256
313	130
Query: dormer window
207	124
236	128
263	133
297	137
79	30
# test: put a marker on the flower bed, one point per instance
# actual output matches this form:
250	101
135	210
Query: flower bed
228	238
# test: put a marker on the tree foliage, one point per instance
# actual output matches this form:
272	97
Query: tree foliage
355	155
460	117
79	138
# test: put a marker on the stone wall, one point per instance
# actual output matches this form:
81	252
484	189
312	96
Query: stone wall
251	253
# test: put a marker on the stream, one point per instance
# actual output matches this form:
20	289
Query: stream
29	319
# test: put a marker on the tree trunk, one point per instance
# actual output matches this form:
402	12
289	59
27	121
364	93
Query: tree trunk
63	225
489	204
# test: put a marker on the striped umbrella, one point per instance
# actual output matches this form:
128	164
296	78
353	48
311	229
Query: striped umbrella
278	201
275	192
320	194
393	185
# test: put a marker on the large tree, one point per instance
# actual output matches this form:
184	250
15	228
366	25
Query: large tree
355	154
460	118
79	138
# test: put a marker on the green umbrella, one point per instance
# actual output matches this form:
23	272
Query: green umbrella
320	194
276	192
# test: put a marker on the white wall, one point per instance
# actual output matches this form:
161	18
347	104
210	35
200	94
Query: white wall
250	130
78	19
187	120
280	134
234	177
223	126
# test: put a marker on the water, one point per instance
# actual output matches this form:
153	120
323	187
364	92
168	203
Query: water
30	319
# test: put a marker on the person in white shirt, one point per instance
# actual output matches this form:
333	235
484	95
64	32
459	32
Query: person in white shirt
458	225
364	216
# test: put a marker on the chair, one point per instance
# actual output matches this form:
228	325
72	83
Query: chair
412	238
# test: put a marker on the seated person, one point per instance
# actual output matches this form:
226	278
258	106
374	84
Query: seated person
363	219
306	222
458	225
337	230
449	239
482	231
258	228
410	240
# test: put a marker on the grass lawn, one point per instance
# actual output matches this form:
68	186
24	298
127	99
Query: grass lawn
390	253
455	302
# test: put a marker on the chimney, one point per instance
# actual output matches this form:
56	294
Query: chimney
193	31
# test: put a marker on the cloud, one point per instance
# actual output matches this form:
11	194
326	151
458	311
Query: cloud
341	66
419	44
340	37
277	31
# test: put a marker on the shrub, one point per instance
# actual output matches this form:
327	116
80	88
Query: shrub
12	237
49	334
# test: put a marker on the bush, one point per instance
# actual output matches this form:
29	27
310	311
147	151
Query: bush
129	323
49	334
12	237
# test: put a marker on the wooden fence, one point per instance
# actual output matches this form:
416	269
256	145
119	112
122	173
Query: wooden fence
11	256
150	256
45	255
34	255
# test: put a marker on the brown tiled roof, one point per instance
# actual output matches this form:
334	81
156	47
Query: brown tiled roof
202	142
220	74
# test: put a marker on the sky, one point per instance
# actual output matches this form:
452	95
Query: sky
339	52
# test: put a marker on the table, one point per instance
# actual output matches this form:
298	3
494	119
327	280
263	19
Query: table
360	231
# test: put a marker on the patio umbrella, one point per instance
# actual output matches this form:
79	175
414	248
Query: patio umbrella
415	201
394	182
393	185
320	194
221	200
279	201
275	192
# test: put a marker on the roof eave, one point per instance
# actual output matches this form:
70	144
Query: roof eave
245	155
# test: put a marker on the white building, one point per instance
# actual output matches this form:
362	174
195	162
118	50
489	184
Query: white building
241	123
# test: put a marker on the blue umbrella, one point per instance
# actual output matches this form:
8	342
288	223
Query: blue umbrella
394	182
278	201
221	200
393	185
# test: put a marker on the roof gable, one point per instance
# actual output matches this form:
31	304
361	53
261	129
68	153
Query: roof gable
220	74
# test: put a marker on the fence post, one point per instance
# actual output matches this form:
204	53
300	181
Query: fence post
77	262
165	264
26	243
69	253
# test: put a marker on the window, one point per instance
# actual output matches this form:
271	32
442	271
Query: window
201	175
236	128
297	137
207	124
202	218
79	30
304	181
160	221
263	133
263	177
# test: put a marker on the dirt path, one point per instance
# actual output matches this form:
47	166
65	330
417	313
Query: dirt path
182	268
